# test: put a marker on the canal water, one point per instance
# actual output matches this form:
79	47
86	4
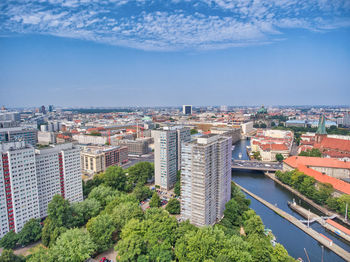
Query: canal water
291	237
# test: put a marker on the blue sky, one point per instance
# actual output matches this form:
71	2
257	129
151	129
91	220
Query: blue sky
140	52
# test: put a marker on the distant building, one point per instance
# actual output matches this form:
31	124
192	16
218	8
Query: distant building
50	108
247	128
96	159
205	179
45	138
296	123
135	147
235	133
88	139
14	134
42	109
272	142
223	108
331	146
187	110
29	179
167	154
9	116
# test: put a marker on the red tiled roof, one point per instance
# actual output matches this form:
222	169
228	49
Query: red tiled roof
334	143
336	183
338	226
294	161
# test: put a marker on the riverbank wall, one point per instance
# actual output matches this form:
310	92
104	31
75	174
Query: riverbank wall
314	234
307	200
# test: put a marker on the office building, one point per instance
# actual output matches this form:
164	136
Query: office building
205	179
167	154
135	147
9	116
29	179
96	159
187	110
15	134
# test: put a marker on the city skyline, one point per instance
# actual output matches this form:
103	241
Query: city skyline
146	53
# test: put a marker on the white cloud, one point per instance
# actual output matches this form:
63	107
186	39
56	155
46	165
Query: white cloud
177	24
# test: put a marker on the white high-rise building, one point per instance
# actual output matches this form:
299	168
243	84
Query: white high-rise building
19	186
29	179
187	109
167	154
205	179
58	172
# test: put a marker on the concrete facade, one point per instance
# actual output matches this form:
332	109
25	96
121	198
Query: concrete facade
205	179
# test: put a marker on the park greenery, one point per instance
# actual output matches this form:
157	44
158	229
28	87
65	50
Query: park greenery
279	157
111	216
314	152
256	155
320	193
194	131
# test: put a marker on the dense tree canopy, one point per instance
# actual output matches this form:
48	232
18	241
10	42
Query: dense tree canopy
140	172
7	255
101	229
73	245
31	232
173	207
9	241
115	178
155	200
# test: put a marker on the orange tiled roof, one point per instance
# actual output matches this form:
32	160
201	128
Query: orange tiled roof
294	161
334	143
336	183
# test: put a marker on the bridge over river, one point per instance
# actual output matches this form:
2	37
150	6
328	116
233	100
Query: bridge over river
256	165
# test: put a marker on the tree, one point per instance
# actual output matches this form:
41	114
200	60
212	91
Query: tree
83	211
210	244
155	200
101	230
115	178
7	255
41	254
261	248
311	153
9	241
279	157
124	212
50	232
73	245
140	172
118	199
173	207
31	232
325	191
103	194
194	131
177	187
254	225
91	184
142	192
280	254
256	155
60	212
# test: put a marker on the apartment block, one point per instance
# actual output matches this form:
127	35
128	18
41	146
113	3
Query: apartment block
167	154
205	179
18	186
29	178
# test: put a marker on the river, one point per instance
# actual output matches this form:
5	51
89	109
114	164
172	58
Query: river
291	237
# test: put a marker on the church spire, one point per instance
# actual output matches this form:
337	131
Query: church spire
321	130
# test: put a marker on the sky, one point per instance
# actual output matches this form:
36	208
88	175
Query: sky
81	53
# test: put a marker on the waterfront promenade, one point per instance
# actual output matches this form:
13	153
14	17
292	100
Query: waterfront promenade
318	237
307	200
